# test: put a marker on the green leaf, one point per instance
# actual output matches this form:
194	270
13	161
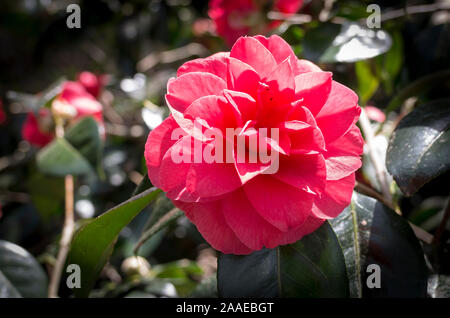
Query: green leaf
371	233
7	290
84	136
419	148
312	267
20	273
79	152
367	81
349	42
59	158
93	244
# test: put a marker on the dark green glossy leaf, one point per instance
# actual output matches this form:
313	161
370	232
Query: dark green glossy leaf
20	273
312	267
371	233
93	244
419	148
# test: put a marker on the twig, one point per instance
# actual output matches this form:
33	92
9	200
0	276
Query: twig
68	227
325	13
291	19
441	228
171	56
362	188
425	8
376	161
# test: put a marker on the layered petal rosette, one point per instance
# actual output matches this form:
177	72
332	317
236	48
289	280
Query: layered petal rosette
275	102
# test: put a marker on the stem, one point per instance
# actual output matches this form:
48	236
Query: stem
424	8
376	161
68	228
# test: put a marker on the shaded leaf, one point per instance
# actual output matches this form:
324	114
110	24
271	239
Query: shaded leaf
312	267
59	158
419	148
20	273
93	244
79	152
84	136
371	233
418	87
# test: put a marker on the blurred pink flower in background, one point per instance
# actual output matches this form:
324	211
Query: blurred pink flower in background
93	83
375	114
76	100
34	132
236	18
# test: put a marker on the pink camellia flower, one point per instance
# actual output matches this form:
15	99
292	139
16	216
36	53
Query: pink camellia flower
237	205
91	82
236	18
73	102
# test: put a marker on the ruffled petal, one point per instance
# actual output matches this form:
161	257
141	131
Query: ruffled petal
214	110
338	113
210	222
251	51
305	172
247	224
335	198
313	89
311	224
279	48
187	88
282	205
216	64
242	77
158	142
350	144
212	179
